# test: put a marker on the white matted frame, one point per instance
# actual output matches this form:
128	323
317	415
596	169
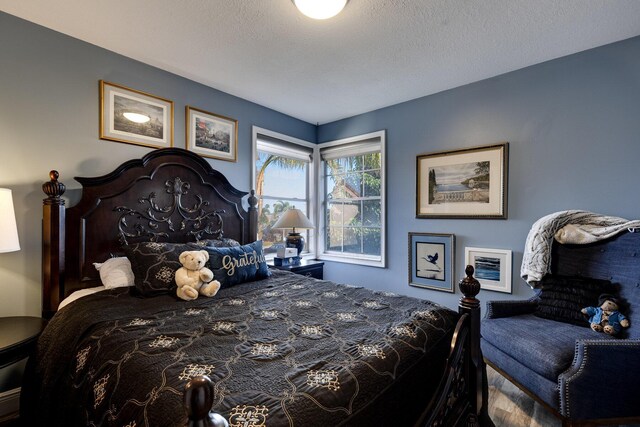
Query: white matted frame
116	101
492	268
211	135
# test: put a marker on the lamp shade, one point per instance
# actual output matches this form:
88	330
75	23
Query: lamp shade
293	218
8	229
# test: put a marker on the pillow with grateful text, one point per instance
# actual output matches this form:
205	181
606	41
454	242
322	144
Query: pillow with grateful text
238	264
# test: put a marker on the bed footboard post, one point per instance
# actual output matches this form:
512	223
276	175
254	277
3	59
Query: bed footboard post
198	400
476	367
53	235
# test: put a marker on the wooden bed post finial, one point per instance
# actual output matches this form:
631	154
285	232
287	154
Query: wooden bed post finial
54	189
470	287
198	400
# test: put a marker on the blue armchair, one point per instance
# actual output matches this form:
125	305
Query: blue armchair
580	375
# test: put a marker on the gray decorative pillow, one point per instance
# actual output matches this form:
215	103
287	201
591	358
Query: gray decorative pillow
154	265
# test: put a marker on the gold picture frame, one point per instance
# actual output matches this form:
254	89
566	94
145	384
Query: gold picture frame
467	183
211	135
134	117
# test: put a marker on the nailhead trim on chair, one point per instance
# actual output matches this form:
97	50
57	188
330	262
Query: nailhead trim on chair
584	362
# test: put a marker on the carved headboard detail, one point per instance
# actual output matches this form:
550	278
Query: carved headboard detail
170	195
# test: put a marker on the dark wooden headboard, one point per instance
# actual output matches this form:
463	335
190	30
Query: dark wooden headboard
170	195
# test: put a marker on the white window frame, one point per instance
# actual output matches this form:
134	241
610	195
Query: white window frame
311	178
361	259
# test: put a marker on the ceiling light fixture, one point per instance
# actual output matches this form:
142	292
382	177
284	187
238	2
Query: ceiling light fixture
320	9
136	117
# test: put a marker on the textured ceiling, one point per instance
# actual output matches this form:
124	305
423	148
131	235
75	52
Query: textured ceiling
374	54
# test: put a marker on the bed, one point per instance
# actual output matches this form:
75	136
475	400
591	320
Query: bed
283	350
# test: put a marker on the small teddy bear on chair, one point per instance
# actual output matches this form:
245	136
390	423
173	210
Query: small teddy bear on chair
606	318
194	278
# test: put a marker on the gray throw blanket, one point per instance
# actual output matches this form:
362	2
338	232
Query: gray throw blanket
573	226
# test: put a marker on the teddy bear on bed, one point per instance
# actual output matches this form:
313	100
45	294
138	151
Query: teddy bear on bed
606	318
193	277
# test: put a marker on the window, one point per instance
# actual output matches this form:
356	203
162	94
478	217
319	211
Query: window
283	179
353	200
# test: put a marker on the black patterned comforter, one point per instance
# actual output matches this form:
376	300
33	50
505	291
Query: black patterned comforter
285	351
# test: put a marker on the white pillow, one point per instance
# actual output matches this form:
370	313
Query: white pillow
115	272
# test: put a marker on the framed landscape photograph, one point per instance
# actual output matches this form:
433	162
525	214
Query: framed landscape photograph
128	115
468	183
211	135
431	261
492	268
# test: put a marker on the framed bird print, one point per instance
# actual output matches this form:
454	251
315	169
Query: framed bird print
431	261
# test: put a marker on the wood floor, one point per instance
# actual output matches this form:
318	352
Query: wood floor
511	407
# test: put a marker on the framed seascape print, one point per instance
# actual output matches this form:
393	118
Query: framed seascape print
212	135
468	183
493	268
431	261
134	117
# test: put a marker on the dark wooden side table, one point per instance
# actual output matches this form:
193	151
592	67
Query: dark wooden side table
307	267
18	336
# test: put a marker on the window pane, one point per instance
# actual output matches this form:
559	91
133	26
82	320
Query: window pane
335	187
280	176
372	184
336	166
334	214
351	240
353	163
334	239
353	185
371	212
372	161
371	241
352	214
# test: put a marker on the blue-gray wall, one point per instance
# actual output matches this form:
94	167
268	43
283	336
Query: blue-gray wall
573	125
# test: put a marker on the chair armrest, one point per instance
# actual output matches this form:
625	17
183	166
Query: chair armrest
602	381
496	309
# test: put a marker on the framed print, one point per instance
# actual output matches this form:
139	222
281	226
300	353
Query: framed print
134	117
493	268
431	261
468	183
211	135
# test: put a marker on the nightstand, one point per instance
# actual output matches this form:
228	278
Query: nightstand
18	336
307	267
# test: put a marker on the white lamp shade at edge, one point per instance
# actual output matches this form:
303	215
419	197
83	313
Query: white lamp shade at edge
8	229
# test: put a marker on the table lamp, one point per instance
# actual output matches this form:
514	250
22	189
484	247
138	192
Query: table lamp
294	218
8	229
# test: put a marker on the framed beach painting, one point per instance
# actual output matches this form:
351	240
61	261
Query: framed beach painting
211	135
431	261
134	117
492	268
468	183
